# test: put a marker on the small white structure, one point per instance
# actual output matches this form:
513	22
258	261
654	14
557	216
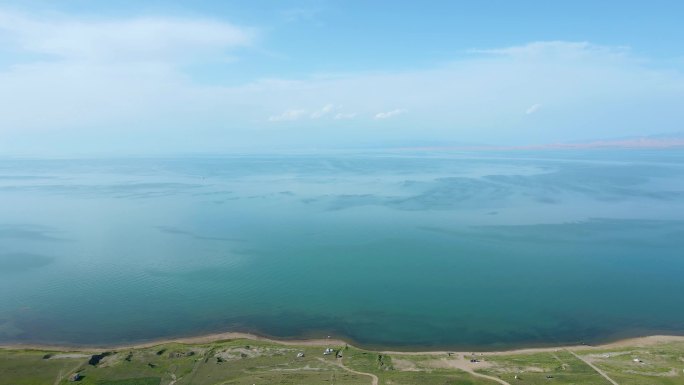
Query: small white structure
327	351
300	355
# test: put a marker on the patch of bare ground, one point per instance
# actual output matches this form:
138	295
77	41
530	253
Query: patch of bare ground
462	363
600	356
251	352
599	371
405	365
671	373
374	379
68	355
305	368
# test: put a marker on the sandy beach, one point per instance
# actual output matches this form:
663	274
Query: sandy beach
631	342
209	338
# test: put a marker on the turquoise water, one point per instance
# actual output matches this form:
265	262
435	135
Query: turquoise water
408	250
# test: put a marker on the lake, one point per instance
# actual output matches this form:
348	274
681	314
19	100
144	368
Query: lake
404	249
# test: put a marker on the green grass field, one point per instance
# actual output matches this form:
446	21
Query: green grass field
250	362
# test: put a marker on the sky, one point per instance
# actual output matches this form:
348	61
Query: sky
172	77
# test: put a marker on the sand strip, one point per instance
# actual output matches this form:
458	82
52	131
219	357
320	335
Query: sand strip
206	339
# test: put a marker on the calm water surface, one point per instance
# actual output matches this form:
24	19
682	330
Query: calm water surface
404	250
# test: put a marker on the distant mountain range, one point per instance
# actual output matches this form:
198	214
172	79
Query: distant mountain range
665	140
650	141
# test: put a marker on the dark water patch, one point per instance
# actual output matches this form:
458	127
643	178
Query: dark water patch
616	183
119	191
22	262
30	233
9	331
656	234
176	231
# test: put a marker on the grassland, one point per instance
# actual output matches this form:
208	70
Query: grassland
260	361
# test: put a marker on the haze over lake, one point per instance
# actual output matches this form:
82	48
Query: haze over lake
402	249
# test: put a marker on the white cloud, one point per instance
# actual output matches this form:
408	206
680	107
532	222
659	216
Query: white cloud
88	99
389	114
345	116
328	108
559	49
288	115
532	109
325	111
121	40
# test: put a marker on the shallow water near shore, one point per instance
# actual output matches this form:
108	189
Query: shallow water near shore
404	249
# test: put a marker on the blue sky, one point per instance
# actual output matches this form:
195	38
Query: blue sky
213	76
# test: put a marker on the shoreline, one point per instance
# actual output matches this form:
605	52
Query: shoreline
218	337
